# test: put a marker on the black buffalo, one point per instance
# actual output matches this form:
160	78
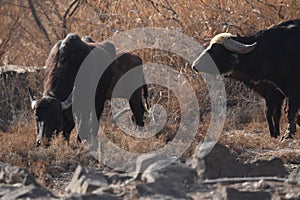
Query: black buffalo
269	55
53	111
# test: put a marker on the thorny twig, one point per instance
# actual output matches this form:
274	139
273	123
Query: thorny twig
69	13
49	19
175	16
38	21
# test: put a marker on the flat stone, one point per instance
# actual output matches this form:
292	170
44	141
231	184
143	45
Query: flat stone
4	189
87	180
162	188
294	176
221	163
233	194
174	180
92	197
145	160
273	167
174	172
27	192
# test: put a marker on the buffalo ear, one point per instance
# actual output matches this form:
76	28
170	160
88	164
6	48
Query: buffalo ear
31	96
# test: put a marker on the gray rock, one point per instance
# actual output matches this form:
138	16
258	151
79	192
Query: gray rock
145	160
25	192
4	189
93	197
175	172
12	175
233	194
174	180
161	197
87	180
262	184
273	167
292	196
294	176
160	188
220	163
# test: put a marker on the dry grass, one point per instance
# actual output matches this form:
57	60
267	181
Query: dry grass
18	148
22	43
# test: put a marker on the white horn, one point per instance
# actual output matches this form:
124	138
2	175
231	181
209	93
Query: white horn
33	103
238	47
32	99
68	102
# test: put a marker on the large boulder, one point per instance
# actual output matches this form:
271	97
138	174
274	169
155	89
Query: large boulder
18	183
11	175
220	162
25	192
87	180
164	179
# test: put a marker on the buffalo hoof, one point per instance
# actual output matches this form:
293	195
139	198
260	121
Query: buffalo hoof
287	135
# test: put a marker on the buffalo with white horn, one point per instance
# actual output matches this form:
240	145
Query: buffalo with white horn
53	111
268	55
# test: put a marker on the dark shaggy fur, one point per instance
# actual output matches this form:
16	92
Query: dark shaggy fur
62	66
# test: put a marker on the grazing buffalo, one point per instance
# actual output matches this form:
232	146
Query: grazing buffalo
121	65
53	111
271	54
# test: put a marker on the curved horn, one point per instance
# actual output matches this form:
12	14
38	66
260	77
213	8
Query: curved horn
87	38
32	99
238	47
67	103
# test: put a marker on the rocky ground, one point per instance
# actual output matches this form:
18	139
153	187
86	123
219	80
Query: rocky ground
216	176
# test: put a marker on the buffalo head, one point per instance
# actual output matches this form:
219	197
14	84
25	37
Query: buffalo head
49	115
223	52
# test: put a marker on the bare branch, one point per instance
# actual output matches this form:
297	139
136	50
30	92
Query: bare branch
49	19
39	23
4	44
74	10
75	4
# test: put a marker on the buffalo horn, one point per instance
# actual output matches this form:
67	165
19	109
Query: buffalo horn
238	47
32	99
67	103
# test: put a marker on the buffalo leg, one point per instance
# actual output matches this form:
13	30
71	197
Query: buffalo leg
68	127
298	120
137	107
291	129
276	120
269	116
